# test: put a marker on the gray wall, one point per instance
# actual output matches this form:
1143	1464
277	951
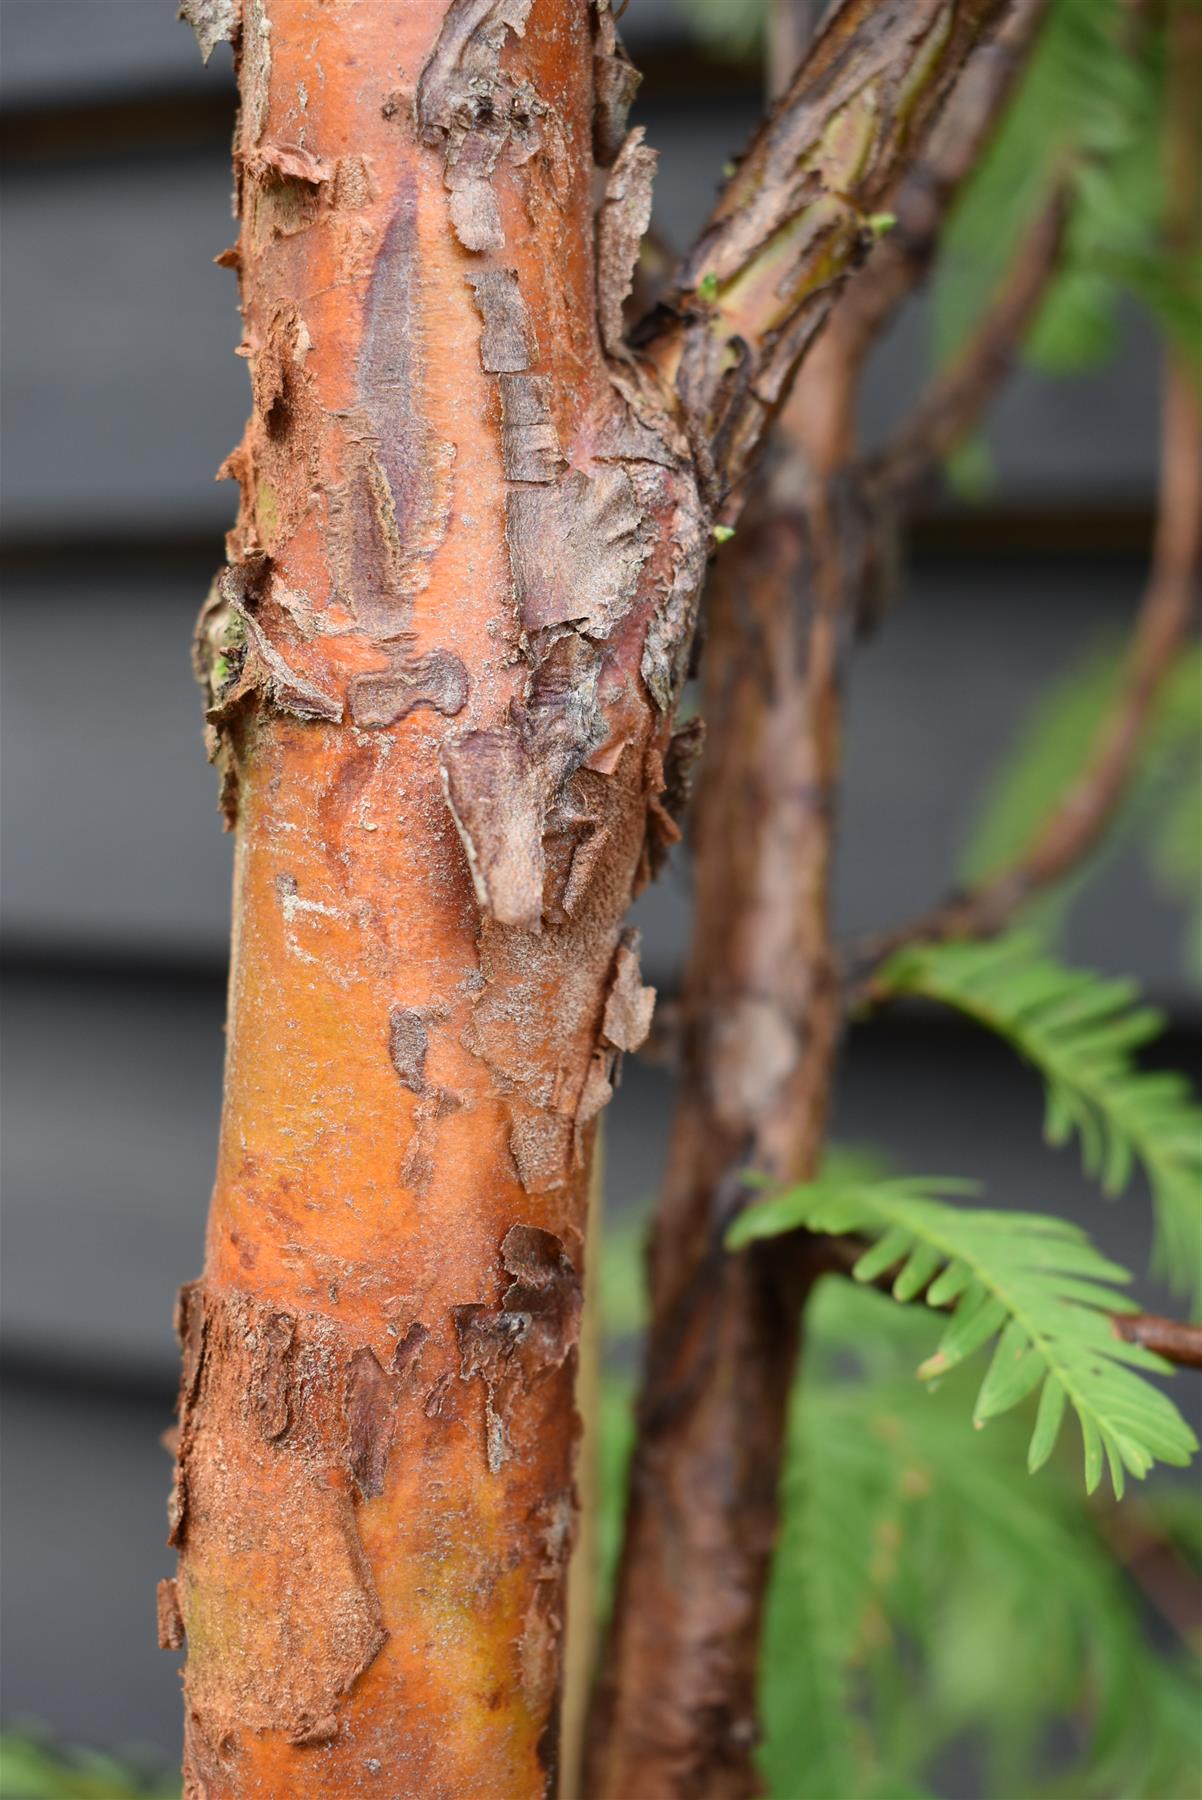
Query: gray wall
120	397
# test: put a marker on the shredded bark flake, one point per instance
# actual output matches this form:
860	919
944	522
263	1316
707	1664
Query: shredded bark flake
371	1422
505	342
577	549
629	1005
274	1409
437	680
464	98
170	1618
616	81
621	227
214	22
408	1041
497	800
531	1334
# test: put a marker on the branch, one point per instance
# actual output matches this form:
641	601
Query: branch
1151	1558
1080	815
1177	1342
935	182
760	1011
958	397
794	219
760	1021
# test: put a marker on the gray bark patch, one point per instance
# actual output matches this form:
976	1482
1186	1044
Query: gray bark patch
408	1041
214	22
437	680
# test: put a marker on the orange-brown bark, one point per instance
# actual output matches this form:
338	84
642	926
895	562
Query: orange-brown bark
431	676
761	1013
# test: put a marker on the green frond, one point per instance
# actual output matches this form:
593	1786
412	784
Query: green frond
1092	103
1035	1284
32	1768
920	1553
1081	1032
841	1494
914	1554
813	1744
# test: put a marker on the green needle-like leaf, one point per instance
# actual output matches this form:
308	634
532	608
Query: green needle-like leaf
1033	1282
1081	1033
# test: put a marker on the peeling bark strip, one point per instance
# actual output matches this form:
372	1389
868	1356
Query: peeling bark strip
214	22
170	1619
275	1595
532	1333
441	670
625	216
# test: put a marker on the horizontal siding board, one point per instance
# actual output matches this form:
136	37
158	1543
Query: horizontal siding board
60	52
63	52
121	394
113	840
110	1121
85	1491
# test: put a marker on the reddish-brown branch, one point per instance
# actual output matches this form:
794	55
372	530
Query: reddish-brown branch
760	1019
961	394
760	1034
792	223
1079	816
932	185
1156	1564
1177	1342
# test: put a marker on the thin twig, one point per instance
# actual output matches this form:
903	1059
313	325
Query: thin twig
792	222
959	396
1079	816
930	188
1174	1340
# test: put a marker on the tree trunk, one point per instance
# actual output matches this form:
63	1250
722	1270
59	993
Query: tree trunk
423	665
